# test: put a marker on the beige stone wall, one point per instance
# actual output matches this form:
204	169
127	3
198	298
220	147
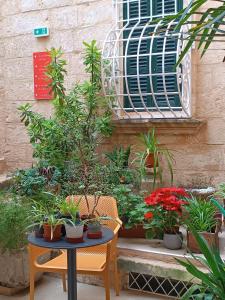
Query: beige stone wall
199	152
71	22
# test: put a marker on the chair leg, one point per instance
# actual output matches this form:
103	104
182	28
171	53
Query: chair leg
106	284
32	275
64	281
116	279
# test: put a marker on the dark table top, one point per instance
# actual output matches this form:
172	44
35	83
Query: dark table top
107	235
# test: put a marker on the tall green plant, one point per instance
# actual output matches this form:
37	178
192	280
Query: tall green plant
81	119
205	19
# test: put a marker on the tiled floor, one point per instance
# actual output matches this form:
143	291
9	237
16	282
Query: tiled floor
50	288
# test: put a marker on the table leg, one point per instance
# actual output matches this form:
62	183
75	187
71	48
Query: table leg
72	274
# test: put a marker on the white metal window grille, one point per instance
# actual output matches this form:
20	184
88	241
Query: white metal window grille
157	285
138	62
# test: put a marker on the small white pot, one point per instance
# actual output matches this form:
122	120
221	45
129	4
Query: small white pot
74	232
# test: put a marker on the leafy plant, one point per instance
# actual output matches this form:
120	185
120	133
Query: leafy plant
70	209
212	282
205	23
201	213
28	182
221	191
131	207
13	225
119	156
152	146
32	181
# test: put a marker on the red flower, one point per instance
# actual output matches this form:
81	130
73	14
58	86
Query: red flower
168	198
149	215
151	200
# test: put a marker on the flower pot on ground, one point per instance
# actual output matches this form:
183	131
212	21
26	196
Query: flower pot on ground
137	231
211	238
14	258
202	217
173	241
131	208
165	214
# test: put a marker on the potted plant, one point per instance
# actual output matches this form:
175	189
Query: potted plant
14	258
52	227
37	214
153	155
95	226
131	208
74	227
165	214
45	213
202	216
119	162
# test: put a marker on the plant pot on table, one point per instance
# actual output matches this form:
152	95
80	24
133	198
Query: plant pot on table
87	217
94	230
38	231
52	233
74	233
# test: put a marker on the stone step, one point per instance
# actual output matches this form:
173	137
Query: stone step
151	257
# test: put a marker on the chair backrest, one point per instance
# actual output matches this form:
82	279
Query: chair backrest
106	207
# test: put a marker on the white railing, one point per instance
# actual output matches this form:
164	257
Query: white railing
114	69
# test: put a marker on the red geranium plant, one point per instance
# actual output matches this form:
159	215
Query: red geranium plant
165	209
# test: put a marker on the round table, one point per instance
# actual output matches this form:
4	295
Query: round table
107	235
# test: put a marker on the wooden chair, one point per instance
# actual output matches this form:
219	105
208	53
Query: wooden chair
98	260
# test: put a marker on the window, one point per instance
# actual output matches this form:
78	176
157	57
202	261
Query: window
139	61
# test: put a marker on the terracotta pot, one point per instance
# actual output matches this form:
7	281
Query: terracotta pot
173	241
149	161
210	237
134	232
52	236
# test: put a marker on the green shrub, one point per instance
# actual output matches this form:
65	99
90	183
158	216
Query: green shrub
201	214
131	207
13	225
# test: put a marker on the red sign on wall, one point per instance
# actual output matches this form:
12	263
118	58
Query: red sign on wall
41	89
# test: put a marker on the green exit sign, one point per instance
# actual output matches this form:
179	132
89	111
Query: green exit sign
41	31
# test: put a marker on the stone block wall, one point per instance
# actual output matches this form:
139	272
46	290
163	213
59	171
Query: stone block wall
199	153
